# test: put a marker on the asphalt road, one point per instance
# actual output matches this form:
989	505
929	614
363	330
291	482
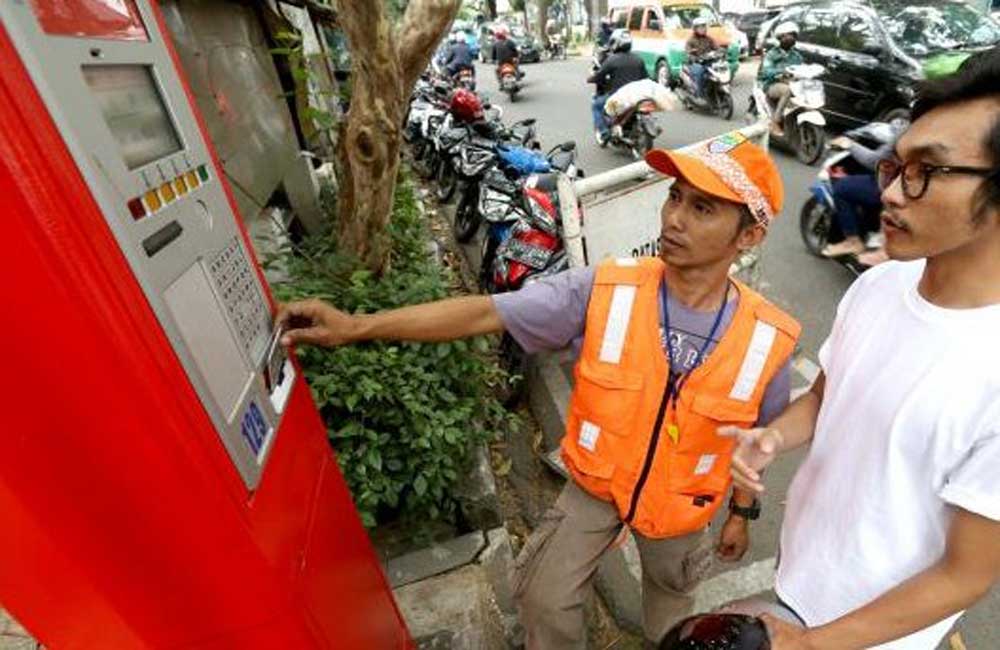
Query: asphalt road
557	95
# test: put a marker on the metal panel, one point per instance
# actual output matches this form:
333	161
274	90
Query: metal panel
168	214
231	73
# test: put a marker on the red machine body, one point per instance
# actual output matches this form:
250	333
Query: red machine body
126	522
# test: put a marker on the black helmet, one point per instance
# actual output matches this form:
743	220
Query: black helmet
718	632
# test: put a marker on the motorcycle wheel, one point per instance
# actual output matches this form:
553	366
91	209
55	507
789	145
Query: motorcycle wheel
424	162
467	215
815	221
724	106
643	145
514	361
487	255
447	181
811	143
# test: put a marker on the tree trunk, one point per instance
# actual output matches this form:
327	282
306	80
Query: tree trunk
592	17
543	21
385	67
491	9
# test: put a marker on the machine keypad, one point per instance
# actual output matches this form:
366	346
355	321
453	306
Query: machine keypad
238	287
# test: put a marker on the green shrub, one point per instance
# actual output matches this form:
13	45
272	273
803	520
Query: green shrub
402	417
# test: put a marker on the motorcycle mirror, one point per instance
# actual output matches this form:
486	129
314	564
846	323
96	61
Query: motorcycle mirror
528	122
580	173
568	146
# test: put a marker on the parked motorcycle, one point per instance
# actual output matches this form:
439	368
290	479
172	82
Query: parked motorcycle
480	195
817	224
532	249
716	95
802	122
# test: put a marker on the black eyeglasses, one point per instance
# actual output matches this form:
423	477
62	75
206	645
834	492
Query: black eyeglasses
916	176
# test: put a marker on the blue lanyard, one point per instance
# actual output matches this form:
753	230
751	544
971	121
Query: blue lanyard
675	378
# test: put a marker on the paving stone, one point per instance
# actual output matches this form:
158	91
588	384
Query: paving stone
435	559
477	493
452	611
497	560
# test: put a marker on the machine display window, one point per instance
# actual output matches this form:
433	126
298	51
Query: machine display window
135	112
118	20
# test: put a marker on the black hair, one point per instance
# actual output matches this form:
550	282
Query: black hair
977	77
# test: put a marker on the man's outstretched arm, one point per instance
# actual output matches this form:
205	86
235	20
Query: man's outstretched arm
969	568
315	322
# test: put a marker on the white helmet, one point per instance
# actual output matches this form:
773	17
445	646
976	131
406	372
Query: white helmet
787	27
700	21
457	36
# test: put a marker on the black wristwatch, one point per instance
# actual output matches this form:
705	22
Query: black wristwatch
751	513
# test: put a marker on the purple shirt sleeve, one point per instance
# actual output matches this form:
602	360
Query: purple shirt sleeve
776	396
548	314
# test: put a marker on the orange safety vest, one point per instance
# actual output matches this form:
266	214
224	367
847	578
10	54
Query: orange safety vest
618	444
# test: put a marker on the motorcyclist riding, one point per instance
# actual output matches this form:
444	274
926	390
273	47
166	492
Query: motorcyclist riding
699	45
620	69
604	34
459	56
858	191
505	51
774	69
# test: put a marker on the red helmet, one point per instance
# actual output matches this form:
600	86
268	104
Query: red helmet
465	105
500	33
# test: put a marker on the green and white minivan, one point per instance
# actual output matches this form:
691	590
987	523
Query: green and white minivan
661	28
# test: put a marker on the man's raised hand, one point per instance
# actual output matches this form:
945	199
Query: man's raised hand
315	322
755	450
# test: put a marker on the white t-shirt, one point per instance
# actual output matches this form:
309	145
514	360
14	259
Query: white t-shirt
910	426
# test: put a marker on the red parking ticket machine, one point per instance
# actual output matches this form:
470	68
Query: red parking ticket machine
165	479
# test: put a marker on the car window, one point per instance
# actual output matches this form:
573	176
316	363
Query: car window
687	15
924	28
820	26
857	34
635	19
670	19
652	20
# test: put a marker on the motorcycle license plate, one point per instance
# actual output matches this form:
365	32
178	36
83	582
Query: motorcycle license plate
518	251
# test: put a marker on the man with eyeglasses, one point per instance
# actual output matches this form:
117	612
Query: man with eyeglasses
892	527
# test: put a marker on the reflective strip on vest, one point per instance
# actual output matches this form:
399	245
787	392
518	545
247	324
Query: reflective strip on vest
617	326
627	261
754	361
589	432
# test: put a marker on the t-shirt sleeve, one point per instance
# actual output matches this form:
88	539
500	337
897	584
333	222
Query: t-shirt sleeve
974	484
550	313
776	395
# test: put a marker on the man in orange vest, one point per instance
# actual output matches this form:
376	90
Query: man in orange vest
670	349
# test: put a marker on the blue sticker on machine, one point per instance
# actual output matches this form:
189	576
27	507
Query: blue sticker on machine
255	429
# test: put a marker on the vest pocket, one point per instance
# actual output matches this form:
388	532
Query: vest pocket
609	395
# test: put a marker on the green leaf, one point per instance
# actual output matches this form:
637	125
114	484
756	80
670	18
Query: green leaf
420	485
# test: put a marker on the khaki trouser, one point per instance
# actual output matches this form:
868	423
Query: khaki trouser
555	570
779	93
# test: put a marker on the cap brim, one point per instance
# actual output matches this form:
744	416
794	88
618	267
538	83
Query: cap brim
692	170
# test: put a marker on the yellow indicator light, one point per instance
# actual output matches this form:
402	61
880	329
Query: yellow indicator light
180	186
167	192
152	201
192	180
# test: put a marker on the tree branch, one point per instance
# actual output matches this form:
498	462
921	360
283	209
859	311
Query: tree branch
423	25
